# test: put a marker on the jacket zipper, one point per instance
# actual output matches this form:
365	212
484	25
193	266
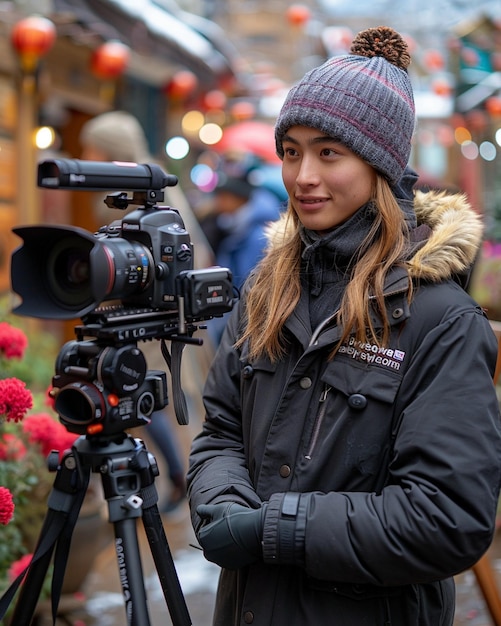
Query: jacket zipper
318	421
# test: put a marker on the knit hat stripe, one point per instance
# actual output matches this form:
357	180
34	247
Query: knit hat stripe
405	95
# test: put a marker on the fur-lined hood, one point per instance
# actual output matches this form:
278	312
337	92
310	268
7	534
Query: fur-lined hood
453	235
454	239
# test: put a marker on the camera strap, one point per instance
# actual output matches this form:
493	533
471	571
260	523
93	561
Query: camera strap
174	363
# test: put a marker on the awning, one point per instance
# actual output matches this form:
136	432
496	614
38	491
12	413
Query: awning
152	31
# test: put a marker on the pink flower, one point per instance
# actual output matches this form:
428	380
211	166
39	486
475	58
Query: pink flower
19	566
6	506
15	399
42	429
13	341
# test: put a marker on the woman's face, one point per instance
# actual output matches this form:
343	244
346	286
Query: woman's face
326	182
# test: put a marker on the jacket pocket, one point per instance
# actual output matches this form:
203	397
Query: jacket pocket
362	382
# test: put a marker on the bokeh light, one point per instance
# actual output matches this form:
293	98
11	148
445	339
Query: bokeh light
469	150
462	134
487	151
192	122
210	134
204	177
44	137
177	148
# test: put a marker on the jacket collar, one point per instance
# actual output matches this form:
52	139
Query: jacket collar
444	243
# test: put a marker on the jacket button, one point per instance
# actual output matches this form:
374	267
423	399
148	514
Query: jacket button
285	471
305	383
357	401
397	313
248	617
248	371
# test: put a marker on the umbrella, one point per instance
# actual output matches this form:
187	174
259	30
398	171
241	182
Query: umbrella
250	136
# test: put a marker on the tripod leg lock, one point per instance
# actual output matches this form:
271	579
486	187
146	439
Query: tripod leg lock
133	502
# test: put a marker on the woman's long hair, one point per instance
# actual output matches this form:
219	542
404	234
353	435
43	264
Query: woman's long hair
276	289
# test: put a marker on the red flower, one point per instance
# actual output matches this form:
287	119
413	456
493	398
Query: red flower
42	429
11	448
6	506
13	341
15	399
19	566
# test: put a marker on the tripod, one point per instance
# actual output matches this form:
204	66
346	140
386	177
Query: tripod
127	471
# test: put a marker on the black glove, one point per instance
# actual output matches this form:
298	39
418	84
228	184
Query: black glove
232	535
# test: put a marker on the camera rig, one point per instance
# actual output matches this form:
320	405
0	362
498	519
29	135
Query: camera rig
132	281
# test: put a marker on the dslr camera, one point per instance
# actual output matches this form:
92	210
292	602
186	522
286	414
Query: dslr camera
131	281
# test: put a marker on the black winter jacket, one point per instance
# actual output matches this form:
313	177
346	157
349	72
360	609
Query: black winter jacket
395	452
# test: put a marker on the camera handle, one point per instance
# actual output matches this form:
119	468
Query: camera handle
127	471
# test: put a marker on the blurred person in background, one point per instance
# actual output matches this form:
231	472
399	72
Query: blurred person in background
118	136
243	208
348	466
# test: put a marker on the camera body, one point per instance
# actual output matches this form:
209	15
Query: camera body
148	250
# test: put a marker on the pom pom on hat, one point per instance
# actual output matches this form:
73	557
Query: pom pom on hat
363	99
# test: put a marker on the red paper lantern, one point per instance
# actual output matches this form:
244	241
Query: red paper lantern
110	60
182	85
297	14
31	38
215	100
441	87
243	110
493	105
434	60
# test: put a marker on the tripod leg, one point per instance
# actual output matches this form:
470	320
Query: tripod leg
128	482
64	505
32	584
131	572
165	567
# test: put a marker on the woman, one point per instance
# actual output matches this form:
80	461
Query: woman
348	465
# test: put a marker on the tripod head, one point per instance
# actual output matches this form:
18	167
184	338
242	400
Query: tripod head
102	385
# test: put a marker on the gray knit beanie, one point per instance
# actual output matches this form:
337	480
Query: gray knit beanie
363	99
119	135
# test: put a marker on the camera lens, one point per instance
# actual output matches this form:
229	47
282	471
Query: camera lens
82	272
68	272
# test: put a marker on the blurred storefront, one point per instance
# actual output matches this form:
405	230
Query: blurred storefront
64	61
